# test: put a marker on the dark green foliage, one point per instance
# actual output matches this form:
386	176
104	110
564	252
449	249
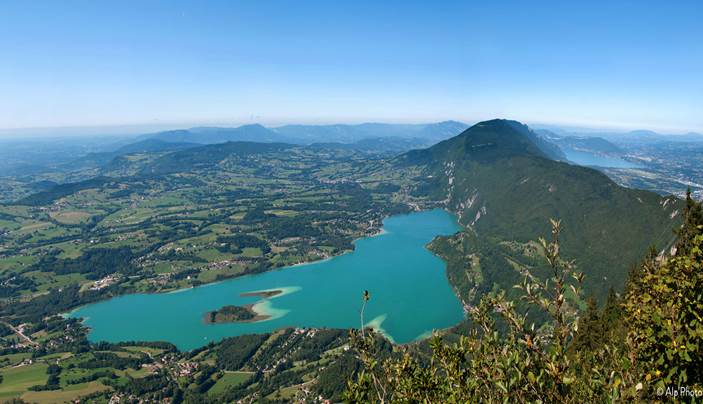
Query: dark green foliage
204	380
693	219
205	386
52	383
94	263
230	314
112	360
257	214
57	301
59	191
387	188
310	349
12	284
356	198
100	374
233	353
185	274
205	373
157	386
329	383
237	242
173	255
166	346
663	307
298	226
591	328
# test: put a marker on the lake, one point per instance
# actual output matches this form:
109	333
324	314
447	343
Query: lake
591	159
410	294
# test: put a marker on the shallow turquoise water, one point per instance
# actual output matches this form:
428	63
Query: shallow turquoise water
410	294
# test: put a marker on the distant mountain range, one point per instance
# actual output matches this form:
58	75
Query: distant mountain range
379	138
433	132
210	135
635	136
309	134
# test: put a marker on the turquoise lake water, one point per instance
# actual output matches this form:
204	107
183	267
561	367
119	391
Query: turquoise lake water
410	294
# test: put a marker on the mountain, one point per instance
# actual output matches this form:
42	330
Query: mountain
503	182
309	134
588	144
432	132
488	141
442	130
210	135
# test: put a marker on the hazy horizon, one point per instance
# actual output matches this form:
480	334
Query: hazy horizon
141	129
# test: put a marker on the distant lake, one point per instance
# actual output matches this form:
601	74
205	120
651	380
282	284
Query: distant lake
591	159
410	294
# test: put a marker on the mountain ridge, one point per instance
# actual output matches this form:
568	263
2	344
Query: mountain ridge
504	188
309	134
489	140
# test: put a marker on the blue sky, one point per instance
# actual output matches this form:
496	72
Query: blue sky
626	65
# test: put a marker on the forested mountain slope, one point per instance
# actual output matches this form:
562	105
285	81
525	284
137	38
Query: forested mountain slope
503	182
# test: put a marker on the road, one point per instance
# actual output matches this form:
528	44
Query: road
20	333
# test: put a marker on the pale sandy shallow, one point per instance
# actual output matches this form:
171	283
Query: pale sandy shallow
265	308
375	324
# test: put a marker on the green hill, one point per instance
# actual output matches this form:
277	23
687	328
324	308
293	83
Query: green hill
501	179
209	156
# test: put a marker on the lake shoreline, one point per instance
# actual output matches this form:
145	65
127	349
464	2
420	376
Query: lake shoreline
264	309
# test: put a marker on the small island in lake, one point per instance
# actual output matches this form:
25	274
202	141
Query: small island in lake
234	314
264	293
241	314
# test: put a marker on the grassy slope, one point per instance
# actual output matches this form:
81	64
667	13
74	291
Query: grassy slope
17	380
229	379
